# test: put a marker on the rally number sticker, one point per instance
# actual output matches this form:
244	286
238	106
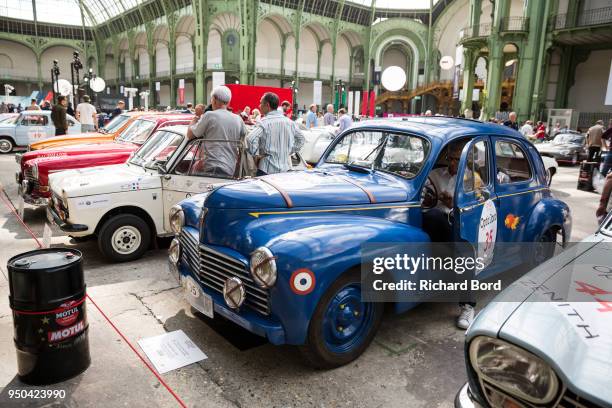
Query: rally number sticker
302	281
487	233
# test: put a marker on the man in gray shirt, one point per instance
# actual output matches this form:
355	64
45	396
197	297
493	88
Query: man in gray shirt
221	131
329	119
274	138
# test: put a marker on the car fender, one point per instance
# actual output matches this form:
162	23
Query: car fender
549	213
94	210
329	247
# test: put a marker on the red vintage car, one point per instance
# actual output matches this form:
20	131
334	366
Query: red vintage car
33	179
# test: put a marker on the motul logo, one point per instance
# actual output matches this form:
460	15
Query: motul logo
67	332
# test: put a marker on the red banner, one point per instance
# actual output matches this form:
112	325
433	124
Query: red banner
249	95
372	104
181	96
364	104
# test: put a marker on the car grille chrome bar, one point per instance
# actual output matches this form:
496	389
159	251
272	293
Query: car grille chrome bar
214	268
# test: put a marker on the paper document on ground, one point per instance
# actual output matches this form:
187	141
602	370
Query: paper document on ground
170	351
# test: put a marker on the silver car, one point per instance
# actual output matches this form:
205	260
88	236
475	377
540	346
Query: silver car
546	341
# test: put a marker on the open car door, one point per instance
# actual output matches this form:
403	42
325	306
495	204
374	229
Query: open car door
475	200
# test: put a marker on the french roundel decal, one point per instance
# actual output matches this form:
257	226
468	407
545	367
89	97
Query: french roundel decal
302	281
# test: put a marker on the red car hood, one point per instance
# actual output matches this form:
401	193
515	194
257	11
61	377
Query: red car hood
47	165
78	150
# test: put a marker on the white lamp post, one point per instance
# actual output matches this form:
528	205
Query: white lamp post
145	96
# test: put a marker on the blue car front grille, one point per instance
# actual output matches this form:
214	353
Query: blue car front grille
213	268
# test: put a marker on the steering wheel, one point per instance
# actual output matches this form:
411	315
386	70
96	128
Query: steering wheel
429	195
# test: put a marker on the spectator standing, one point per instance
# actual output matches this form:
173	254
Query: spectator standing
286	107
33	105
555	130
345	121
46	105
311	117
511	122
3	108
118	109
69	109
527	129
11	108
594	140
607	139
58	116
604	201
19	108
256	116
274	139
221	131
329	119
86	114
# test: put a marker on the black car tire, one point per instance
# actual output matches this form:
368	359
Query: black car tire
127	227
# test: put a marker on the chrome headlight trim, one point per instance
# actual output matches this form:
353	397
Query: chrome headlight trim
176	218
174	251
263	267
234	293
35	171
498	350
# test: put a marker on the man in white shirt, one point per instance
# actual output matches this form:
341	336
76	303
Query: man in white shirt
86	114
527	129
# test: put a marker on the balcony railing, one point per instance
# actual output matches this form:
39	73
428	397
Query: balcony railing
17	74
586	18
482	30
515	24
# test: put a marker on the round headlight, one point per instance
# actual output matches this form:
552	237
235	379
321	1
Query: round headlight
514	370
174	251
234	292
177	219
35	171
263	267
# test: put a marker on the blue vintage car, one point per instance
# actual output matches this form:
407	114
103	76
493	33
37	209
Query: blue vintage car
280	255
546	341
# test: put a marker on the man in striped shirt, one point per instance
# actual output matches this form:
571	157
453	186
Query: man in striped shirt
274	138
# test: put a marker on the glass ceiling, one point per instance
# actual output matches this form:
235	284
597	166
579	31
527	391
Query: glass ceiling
99	11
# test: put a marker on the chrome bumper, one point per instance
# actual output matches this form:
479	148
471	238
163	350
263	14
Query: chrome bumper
463	399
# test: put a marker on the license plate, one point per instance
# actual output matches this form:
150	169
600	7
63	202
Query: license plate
199	300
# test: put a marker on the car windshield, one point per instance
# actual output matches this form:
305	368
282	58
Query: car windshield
568	138
400	154
9	120
115	123
158	150
138	131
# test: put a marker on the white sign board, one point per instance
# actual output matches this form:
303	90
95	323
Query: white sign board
351	95
170	351
218	79
317	89
158	86
357	102
609	92
181	84
459	55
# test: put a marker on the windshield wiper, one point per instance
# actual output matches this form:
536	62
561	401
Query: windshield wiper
359	169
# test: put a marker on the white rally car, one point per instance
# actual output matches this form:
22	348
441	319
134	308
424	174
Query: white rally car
127	205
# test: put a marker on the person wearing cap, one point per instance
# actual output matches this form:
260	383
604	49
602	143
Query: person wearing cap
221	132
86	114
594	140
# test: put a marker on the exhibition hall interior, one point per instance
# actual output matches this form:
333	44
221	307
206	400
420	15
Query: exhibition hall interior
306	203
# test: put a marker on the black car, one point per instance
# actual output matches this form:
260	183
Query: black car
568	147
